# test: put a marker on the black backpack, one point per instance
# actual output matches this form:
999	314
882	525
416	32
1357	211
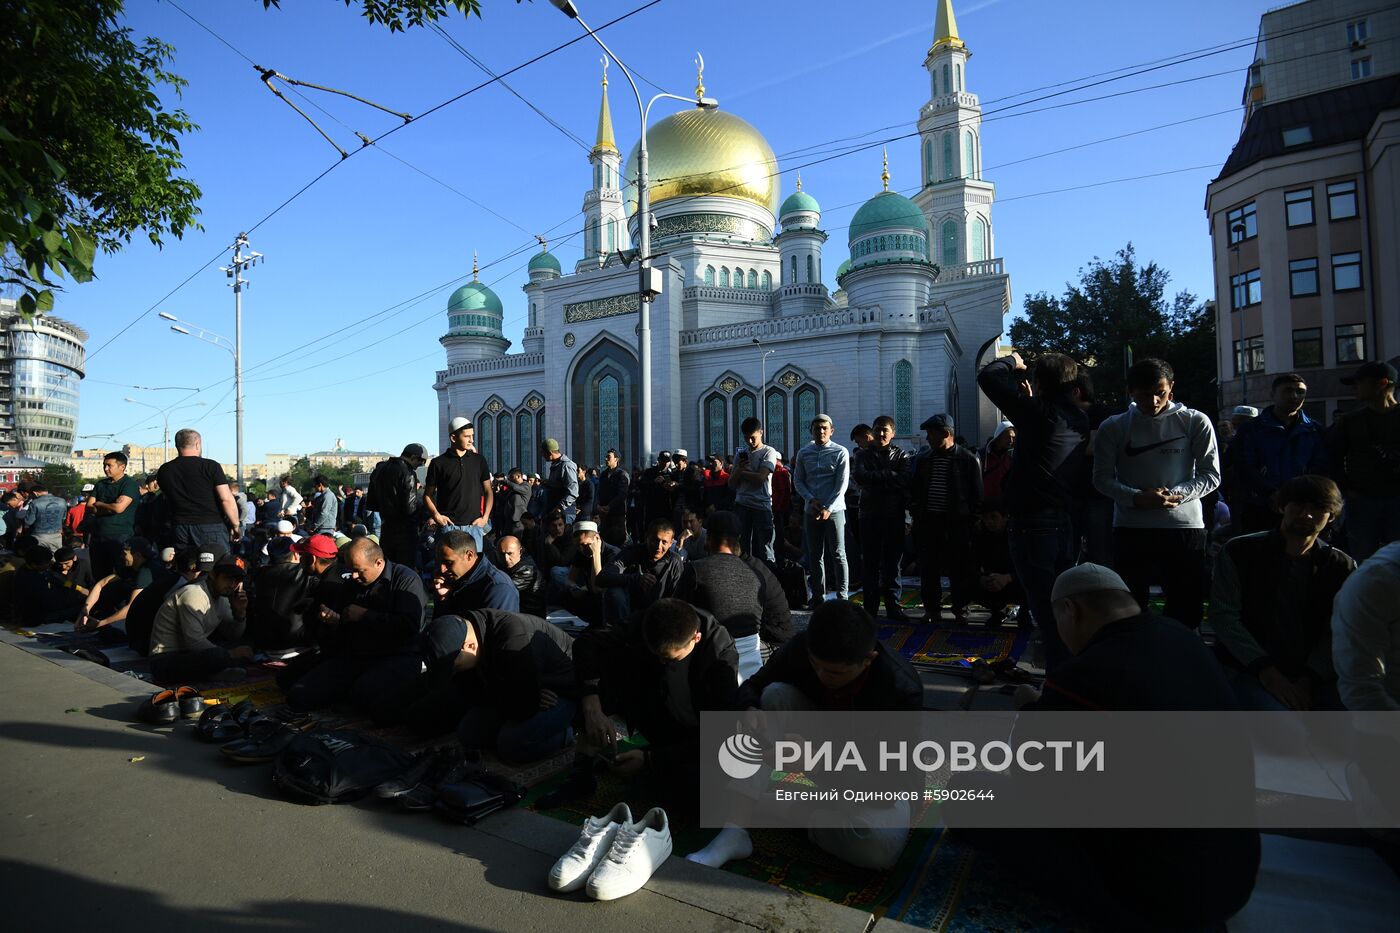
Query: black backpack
336	766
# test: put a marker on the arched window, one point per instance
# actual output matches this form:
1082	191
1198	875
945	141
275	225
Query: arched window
745	406
969	165
947	155
603	394
947	79
709	275
904	397
485	430
957	71
806	403
753	279
505	424
738	278
723	276
953	396
540	431
811	269
934	86
612	236
977	246
609	413
767	281
597	175
714	424
928	162
775	428
793	276
525	437
950	243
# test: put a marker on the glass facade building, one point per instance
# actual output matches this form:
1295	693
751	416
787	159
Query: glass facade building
41	366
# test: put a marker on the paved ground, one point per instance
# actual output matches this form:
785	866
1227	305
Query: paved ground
184	839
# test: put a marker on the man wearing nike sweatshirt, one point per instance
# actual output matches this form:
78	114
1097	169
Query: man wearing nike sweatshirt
1156	461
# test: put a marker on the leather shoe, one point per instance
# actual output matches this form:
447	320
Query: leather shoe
159	709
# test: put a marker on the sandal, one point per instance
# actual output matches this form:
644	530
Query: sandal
191	702
159	709
224	723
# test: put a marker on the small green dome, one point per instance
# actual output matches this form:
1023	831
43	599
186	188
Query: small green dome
798	202
843	269
475	296
886	211
544	261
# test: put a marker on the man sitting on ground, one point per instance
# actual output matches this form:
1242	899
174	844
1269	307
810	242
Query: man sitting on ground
641	573
466	581
1271	603
577	585
523	573
503	680
111	598
996	584
183	648
740	591
370	639
281	597
183	568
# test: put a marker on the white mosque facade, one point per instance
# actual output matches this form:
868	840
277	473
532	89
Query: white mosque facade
919	307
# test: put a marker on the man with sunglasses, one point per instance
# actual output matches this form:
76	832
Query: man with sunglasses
1268	451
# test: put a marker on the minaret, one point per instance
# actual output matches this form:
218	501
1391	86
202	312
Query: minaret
800	253
954	198
604	219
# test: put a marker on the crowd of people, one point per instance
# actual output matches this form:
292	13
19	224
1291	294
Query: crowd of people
427	597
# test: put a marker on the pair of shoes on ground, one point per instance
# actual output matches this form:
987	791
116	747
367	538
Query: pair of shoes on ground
264	737
614	856
417	788
167	706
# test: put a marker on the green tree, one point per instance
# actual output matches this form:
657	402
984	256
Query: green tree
1119	312
62	480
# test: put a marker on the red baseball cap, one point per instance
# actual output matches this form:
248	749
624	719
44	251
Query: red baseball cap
322	546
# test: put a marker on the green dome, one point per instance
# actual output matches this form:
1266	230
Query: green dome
843	269
798	202
886	211
475	296
544	260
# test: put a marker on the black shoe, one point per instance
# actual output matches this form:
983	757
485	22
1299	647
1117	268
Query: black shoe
893	612
451	764
578	785
428	761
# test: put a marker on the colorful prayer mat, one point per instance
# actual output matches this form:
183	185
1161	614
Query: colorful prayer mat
944	646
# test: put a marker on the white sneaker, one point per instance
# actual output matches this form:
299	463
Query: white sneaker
637	852
573	868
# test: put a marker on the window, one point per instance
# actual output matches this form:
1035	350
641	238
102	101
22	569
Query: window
753	279
1249	355
775	419
709	275
738	278
1360	68
1346	272
947	79
1358	31
1242	223
977	246
1299	206
767	281
1297	135
928	162
947	156
811	269
1307	348
724	277
957	71
1302	278
1341	200
903	397
1351	343
714	424
969	147
950	243
793	277
1245	290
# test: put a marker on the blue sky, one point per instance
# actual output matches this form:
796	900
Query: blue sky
375	236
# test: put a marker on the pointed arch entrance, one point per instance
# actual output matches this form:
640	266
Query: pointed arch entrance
604	392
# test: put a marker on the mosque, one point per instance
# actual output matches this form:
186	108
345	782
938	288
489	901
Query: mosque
918	309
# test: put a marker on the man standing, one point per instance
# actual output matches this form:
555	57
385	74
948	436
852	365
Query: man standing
1363	449
1270	450
202	510
882	469
946	494
289	505
515	500
613	485
111	509
1051	434
44	517
862	436
325	508
393	495
658	487
1156	461
457	491
821	475
718	496
560	482
752	482
690	491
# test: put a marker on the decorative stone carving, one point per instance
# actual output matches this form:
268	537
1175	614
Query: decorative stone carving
611	306
713	223
569	339
789	379
729	385
495	406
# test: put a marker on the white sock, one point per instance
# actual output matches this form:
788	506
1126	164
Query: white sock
731	844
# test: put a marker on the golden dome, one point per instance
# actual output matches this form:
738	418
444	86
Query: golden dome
706	152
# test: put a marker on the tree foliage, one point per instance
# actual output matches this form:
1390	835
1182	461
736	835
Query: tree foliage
62	480
302	473
1119	312
398	15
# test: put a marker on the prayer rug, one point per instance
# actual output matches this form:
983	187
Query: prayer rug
940	645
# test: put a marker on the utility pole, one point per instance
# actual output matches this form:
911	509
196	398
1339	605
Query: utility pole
241	263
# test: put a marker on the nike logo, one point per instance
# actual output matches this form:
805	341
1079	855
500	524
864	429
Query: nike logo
1132	451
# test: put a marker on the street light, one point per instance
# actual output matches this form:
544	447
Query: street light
648	286
763	390
165	414
234	347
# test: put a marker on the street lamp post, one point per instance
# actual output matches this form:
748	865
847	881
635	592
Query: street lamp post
165	415
232	347
241	263
763	388
648	284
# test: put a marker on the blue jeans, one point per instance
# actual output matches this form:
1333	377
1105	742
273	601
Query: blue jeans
827	540
1371	521
212	538
544	733
1043	547
749	658
755	531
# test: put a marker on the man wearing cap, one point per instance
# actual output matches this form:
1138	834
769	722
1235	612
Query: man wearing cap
203	513
946	493
179	570
183	646
1268	451
690	483
393	495
457	491
1363	447
466	580
613	485
560	482
282	595
577	583
821	475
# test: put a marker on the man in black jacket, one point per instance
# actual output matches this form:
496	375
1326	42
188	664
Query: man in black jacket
690	488
882	471
504	680
282	594
658	489
946	493
512	501
641	573
740	591
370	639
611	508
466	580
523	572
1052	432
393	494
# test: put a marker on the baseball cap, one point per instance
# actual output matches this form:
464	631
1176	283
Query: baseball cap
551	445
205	561
231	566
322	546
1245	411
414	450
938	422
1371	370
457	424
280	547
682	454
1086	578
664	455
444	637
585	525
285	527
